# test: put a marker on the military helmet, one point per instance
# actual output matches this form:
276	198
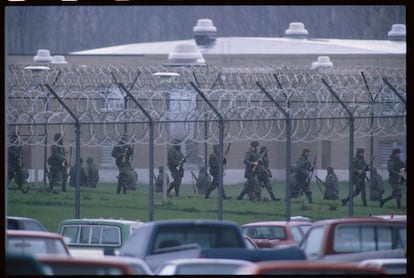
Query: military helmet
254	144
57	136
305	150
330	169
89	160
395	151
216	147
360	150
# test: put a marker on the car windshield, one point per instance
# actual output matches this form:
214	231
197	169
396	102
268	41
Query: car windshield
36	245
265	232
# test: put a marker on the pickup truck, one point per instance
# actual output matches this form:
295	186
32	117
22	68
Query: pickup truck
160	241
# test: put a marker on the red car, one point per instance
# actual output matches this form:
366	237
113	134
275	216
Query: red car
270	234
308	268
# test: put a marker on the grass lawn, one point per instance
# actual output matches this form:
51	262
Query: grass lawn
50	208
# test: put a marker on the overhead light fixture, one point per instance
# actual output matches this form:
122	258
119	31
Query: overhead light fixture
36	73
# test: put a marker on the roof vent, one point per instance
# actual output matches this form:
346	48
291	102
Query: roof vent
205	32
59	59
296	31
186	53
322	62
43	56
398	32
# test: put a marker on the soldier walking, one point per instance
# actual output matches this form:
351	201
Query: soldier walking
214	164
359	171
176	162
251	187
331	185
92	173
15	167
57	161
123	153
264	174
377	189
303	174
396	169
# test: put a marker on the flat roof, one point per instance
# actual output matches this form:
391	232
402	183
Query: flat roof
260	45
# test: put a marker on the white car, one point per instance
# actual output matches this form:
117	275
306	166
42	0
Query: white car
201	266
390	265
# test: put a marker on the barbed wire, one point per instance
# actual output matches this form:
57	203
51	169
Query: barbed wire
105	112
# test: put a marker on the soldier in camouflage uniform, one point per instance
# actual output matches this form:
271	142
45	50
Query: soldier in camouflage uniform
396	169
331	185
251	187
72	175
203	181
58	174
15	169
92	173
302	176
377	189
264	174
123	153
175	165
360	167
160	179
214	164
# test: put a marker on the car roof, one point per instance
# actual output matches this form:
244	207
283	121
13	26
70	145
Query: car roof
33	234
99	221
277	223
384	261
207	261
353	219
193	222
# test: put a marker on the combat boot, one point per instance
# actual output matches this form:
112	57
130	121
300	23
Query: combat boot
398	204
240	196
207	194
364	202
226	197
344	201
274	197
310	200
383	201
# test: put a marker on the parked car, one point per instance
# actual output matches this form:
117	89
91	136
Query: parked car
200	266
270	234
355	239
307	268
24	223
96	237
36	243
391	266
21	264
85	266
159	241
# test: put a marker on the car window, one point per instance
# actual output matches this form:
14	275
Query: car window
296	233
33	226
313	242
360	238
35	246
92	234
265	232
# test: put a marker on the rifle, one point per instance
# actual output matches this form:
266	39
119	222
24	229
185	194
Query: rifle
362	175
225	154
261	155
313	167
180	164
318	181
128	152
196	179
65	162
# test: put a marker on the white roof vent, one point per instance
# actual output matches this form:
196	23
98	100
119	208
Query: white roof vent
59	59
398	32
296	30
186	53
43	56
204	32
322	62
